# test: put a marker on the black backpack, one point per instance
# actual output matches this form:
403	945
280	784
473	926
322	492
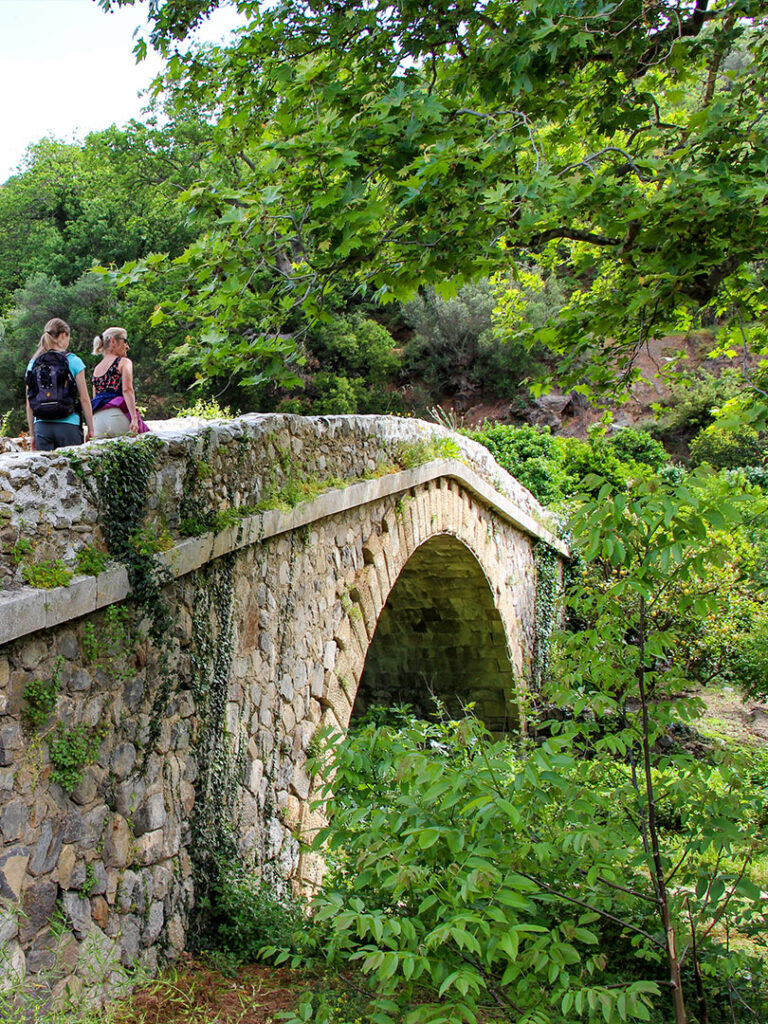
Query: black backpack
51	388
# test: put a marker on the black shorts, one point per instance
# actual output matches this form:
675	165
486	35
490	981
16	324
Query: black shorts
51	434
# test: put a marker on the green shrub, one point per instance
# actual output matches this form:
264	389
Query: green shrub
480	340
596	458
353	368
90	561
245	916
336	395
632	445
41	696
71	751
530	455
295	406
553	468
503	367
749	664
728	449
467	876
355	347
445	344
46	575
207	409
691	405
752	763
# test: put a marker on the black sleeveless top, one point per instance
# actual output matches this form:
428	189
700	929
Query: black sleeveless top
111	380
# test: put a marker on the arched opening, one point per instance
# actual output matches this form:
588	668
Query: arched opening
440	637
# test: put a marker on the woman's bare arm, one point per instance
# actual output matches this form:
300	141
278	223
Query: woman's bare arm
129	394
31	425
85	402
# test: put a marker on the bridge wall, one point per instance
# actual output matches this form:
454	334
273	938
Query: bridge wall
424	575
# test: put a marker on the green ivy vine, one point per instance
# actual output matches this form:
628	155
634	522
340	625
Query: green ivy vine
122	472
195	518
214	824
547	566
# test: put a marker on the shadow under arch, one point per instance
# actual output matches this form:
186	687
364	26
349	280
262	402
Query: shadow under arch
440	636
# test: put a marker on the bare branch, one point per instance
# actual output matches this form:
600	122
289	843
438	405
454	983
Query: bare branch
592	909
594	156
574	234
667	37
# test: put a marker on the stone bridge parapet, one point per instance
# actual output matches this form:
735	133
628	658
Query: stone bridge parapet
45	497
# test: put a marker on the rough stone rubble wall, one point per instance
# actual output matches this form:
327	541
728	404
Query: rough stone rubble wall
267	643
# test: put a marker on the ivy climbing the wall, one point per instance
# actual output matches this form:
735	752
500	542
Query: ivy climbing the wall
122	472
215	822
547	564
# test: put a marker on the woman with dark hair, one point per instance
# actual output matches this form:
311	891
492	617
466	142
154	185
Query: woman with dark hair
56	392
114	397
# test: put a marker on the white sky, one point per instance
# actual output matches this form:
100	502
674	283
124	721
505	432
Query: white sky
67	68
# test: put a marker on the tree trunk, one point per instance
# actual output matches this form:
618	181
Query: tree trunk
678	1001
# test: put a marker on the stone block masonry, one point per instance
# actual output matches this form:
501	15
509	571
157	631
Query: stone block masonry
390	585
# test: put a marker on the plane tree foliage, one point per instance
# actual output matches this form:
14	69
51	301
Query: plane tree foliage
618	145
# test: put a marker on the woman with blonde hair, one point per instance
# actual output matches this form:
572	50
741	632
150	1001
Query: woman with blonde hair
114	397
57	394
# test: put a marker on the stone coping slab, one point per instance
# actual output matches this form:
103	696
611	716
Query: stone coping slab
28	609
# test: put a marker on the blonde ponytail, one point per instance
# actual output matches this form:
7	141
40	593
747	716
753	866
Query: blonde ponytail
102	341
50	336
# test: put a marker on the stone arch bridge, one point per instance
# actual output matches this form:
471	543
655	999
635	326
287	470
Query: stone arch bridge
311	567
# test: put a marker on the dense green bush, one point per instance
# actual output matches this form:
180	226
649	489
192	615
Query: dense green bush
356	346
502	369
629	444
470	883
457	345
555	468
595	458
691	404
469	880
531	455
749	662
335	394
244	915
433	890
352	366
446	332
728	449
730	646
